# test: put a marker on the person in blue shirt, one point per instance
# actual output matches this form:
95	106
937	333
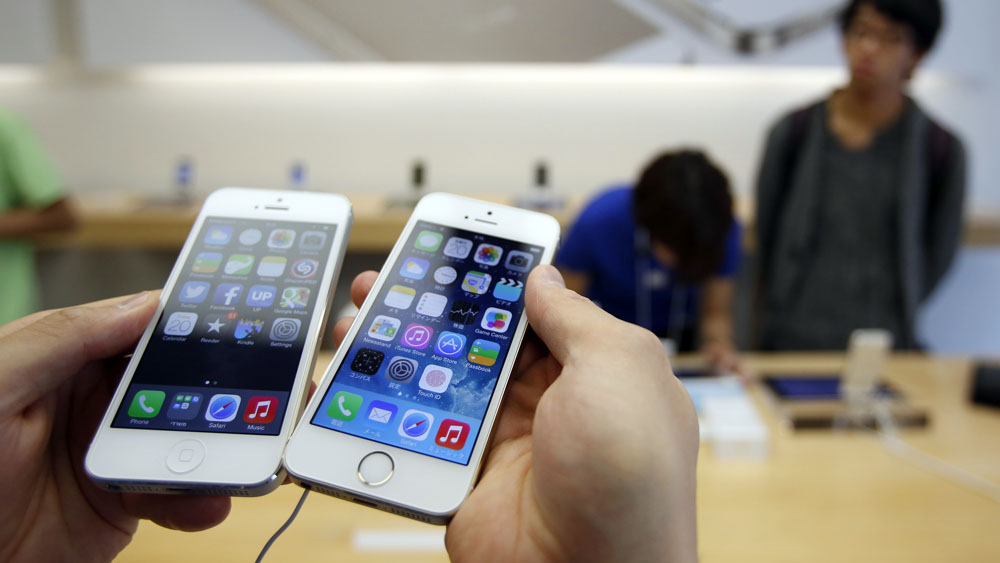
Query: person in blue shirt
663	254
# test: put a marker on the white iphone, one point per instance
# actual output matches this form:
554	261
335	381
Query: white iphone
406	409
220	375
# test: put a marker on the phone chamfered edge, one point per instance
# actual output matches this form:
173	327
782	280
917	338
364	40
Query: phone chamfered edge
259	484
305	429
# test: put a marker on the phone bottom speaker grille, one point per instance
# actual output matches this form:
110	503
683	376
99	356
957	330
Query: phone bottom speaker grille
372	504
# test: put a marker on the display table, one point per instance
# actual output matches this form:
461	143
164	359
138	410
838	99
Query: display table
818	496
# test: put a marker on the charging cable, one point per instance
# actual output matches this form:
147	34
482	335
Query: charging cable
284	526
889	433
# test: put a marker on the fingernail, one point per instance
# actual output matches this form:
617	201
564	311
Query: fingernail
550	275
134	301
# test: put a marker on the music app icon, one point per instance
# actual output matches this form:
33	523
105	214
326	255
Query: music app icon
260	410
452	434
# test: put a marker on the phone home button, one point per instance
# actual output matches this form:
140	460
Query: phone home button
376	469
185	456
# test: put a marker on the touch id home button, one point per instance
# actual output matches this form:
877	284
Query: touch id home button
376	469
185	456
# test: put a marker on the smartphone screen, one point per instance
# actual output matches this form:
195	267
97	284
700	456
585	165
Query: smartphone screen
424	365
226	348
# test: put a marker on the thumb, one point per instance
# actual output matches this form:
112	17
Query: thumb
43	354
567	322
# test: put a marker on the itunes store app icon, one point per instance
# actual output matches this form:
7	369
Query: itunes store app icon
417	336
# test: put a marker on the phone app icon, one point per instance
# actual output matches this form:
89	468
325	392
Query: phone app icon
181	323
294	297
450	344
519	261
222	408
414	268
488	254
452	434
261	295
484	352
431	304
367	361
227	294
260	410
185	406
194	292
246	329
497	320
400	297
417	336
416	425
218	234
381	412
250	237
281	238
445	275
401	369
384	328
344	406
146	404
428	241
508	289
435	379
271	266
458	247
463	312
206	262
239	265
285	329
312	240
476	282
304	268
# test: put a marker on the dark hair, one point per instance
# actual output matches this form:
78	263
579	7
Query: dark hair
683	200
923	17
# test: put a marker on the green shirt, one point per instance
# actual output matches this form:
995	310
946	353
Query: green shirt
27	181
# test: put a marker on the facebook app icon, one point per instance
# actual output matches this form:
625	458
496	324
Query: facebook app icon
227	294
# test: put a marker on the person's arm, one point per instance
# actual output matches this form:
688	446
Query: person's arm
27	221
716	325
944	218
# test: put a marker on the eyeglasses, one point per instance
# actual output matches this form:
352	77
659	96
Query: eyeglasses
881	37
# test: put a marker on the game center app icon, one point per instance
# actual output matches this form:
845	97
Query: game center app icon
488	254
458	247
304	268
384	328
417	336
416	425
497	320
367	361
476	282
452	434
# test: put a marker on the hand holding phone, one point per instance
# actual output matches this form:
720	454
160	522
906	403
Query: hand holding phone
595	448
51	511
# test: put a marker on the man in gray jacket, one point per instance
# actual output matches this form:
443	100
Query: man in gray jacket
860	196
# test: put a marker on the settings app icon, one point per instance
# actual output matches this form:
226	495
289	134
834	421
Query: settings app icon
401	369
285	329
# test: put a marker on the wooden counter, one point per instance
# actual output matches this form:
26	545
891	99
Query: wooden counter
818	497
117	221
